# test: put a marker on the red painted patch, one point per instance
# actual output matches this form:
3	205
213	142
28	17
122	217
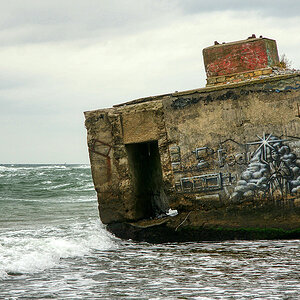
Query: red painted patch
236	57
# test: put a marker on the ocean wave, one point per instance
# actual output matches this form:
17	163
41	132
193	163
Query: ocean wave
57	186
32	182
8	168
29	252
61	199
52	167
82	166
15	167
46	182
64	166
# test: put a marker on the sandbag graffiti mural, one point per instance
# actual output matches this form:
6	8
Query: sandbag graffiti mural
272	171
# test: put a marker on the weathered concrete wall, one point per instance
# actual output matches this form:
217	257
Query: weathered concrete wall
219	148
108	133
236	143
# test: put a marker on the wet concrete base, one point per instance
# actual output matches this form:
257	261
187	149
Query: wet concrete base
164	234
231	226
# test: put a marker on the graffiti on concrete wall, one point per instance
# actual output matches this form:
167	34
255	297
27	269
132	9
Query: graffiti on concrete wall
265	167
202	183
206	158
272	171
175	158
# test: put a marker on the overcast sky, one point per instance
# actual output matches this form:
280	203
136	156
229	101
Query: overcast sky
61	58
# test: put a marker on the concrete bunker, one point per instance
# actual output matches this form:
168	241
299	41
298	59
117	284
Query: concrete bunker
206	153
146	172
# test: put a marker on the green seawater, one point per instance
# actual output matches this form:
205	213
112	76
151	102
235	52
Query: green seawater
53	246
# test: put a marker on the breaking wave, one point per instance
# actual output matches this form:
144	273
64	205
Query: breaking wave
32	251
48	213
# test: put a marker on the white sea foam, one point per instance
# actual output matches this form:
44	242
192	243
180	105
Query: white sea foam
46	182
51	167
81	167
54	187
14	168
6	168
28	251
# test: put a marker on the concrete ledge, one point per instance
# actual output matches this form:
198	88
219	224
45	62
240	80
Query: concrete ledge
209	89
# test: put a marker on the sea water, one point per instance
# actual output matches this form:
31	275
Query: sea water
53	246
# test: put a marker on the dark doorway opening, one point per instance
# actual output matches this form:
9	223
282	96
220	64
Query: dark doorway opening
145	167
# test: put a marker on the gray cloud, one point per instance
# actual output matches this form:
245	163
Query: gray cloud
35	21
278	8
60	58
43	21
